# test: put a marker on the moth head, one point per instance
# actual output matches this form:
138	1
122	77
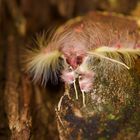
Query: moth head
74	56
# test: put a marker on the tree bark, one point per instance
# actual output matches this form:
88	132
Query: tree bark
17	94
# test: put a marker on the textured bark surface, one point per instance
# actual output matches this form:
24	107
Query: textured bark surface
112	110
17	93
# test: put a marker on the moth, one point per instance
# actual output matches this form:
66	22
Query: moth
69	52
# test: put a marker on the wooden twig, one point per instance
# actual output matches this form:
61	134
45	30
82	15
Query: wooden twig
11	86
17	95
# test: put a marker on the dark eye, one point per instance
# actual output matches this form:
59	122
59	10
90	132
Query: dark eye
70	69
68	61
79	60
80	77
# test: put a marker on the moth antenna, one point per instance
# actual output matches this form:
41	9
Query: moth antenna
122	56
44	62
110	59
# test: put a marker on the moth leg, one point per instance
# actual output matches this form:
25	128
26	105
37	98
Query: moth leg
84	100
59	118
75	88
59	103
66	93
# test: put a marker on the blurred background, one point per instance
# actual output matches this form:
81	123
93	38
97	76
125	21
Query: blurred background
30	16
26	110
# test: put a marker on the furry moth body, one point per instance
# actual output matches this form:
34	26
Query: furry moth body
75	44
